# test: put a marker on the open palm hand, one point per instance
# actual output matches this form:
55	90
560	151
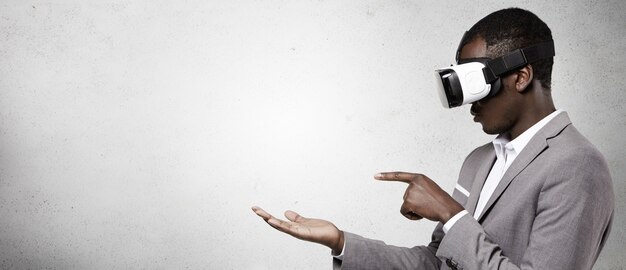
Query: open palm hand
308	229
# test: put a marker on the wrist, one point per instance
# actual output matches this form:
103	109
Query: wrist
337	248
452	211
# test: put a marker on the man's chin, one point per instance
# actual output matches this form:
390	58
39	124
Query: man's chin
490	130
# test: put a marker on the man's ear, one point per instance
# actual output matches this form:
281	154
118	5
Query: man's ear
524	78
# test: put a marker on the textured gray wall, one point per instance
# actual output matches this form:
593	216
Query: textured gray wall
137	134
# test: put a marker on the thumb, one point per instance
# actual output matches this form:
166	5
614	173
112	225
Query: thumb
294	217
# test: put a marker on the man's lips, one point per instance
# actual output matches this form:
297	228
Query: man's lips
475	112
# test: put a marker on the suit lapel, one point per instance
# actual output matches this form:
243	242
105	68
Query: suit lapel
534	147
530	152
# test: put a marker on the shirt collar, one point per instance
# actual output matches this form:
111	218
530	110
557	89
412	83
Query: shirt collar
503	142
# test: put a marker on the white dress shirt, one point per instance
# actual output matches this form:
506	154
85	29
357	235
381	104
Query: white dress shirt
506	152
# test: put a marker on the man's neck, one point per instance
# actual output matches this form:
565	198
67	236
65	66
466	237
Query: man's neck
528	121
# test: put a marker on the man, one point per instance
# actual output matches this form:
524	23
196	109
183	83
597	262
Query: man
538	197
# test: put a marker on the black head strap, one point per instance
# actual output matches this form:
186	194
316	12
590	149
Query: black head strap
517	59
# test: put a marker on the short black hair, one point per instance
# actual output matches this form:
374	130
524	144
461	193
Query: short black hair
510	29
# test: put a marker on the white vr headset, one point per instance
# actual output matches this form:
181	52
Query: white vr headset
476	78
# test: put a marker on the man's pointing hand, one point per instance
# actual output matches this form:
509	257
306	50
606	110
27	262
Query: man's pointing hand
423	197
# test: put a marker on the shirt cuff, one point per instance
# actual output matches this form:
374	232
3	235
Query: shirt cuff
450	223
340	256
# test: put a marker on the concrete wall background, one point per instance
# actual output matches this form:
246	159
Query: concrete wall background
137	134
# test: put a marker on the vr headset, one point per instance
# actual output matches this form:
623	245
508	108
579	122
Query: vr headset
473	79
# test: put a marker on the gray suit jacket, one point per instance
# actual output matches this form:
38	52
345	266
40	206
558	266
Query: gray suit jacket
552	209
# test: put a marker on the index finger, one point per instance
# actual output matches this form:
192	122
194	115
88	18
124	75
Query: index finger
396	176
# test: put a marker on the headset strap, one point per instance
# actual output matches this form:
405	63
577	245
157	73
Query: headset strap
517	59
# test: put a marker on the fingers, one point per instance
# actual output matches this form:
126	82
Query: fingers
291	228
266	216
278	224
290	215
412	216
281	225
408	212
261	213
396	176
293	216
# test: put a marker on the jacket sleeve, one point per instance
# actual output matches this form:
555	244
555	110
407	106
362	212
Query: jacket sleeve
363	253
573	219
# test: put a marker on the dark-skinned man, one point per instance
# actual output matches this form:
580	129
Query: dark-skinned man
539	196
